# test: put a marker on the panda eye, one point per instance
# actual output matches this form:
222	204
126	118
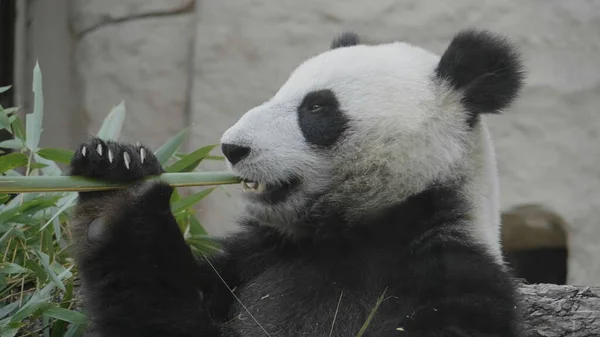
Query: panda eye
315	108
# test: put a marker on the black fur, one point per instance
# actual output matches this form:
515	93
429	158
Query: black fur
320	118
141	279
485	67
347	39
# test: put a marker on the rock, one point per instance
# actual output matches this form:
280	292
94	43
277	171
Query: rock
561	311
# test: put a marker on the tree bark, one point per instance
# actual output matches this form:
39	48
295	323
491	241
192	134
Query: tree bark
561	311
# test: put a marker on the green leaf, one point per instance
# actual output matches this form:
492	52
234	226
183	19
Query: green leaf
6	235
51	168
53	277
67	202
9	111
113	123
58	155
4	121
203	244
191	200
15	144
196	227
7	309
66	315
17	126
12	160
75	330
11	331
191	161
12	268
33	121
168	149
47	243
28	208
5	89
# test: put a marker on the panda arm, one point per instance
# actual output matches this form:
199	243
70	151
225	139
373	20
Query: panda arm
139	276
458	291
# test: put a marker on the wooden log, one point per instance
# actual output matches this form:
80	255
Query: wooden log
561	311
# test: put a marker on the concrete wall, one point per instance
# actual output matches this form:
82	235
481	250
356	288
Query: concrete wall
43	36
207	62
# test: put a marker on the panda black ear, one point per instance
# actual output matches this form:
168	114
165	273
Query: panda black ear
347	39
485	67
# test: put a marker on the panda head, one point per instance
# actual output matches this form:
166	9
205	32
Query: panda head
362	127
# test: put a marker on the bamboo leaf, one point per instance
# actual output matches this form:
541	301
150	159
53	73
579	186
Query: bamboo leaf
12	268
7	309
191	161
9	111
57	155
4	121
44	259
51	168
191	200
75	330
168	149
15	144
5	89
67	202
113	123
66	315
17	127
12	160
196	227
33	121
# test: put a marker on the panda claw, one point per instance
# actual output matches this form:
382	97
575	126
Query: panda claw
126	159
99	149
84	151
110	156
142	155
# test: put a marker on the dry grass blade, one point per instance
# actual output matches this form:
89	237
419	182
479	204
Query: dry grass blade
371	315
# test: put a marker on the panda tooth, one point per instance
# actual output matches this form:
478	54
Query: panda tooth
126	159
99	149
261	188
251	185
245	187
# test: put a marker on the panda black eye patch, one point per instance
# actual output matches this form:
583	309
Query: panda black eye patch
321	121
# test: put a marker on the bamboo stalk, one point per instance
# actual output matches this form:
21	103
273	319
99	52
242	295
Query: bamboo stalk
23	184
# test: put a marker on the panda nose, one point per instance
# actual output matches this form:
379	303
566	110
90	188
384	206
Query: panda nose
235	153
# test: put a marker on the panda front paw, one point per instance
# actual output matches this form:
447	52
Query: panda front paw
114	161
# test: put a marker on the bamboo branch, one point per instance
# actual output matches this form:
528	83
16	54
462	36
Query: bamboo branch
22	184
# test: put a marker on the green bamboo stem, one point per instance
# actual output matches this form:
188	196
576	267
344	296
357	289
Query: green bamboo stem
23	184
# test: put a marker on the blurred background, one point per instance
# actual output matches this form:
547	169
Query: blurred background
178	63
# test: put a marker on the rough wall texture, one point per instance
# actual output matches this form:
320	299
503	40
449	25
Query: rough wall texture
548	144
140	52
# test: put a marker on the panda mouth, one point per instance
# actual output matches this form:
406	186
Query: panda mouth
249	186
269	192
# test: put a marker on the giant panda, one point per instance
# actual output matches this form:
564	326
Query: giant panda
370	200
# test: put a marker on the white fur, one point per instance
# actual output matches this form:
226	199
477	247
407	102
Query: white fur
406	131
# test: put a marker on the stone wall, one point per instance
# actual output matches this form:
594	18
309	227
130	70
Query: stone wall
176	64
